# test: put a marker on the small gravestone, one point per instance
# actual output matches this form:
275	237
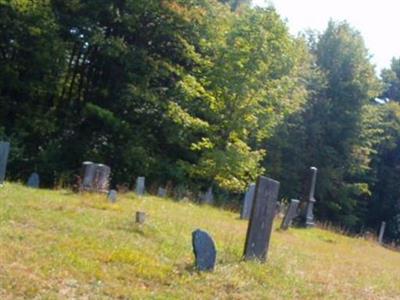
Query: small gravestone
34	180
261	219
140	186
291	213
381	232
161	192
4	151
140	217
248	202
307	217
112	196
204	250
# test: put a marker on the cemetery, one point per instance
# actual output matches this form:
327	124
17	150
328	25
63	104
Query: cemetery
194	150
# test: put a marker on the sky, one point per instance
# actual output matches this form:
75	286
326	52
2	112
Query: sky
377	21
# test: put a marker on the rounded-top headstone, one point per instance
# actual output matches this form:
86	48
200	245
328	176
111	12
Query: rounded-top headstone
34	180
204	250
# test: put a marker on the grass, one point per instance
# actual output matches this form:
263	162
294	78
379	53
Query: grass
59	245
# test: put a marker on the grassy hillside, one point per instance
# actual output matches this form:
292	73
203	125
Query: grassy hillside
59	245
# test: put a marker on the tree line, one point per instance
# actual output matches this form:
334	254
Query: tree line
200	93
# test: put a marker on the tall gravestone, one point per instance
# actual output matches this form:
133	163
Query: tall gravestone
87	174
204	250
261	219
248	202
34	180
381	232
307	218
4	151
291	213
140	186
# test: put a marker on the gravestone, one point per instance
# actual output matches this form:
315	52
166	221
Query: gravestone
34	180
4	151
248	202
381	232
291	213
161	192
140	186
140	217
204	250
96	177
307	218
208	197
112	196
261	219
101	180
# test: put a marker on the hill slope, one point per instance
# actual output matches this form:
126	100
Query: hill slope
58	245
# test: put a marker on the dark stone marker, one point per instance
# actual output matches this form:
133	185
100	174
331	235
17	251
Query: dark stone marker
112	196
204	250
381	232
4	150
140	217
140	186
87	174
34	180
291	213
161	192
307	219
261	219
248	202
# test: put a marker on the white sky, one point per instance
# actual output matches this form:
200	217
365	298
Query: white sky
377	21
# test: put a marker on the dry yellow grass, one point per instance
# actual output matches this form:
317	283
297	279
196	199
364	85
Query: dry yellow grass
59	245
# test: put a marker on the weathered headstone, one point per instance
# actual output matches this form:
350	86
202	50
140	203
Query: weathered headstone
291	213
112	196
140	186
4	150
140	217
161	192
34	180
101	181
96	177
248	202
204	250
307	218
261	219
381	232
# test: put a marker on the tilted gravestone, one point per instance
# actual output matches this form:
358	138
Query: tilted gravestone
161	192
204	250
307	218
291	213
96	177
140	186
4	151
112	196
140	217
381	232
248	202
34	180
261	219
